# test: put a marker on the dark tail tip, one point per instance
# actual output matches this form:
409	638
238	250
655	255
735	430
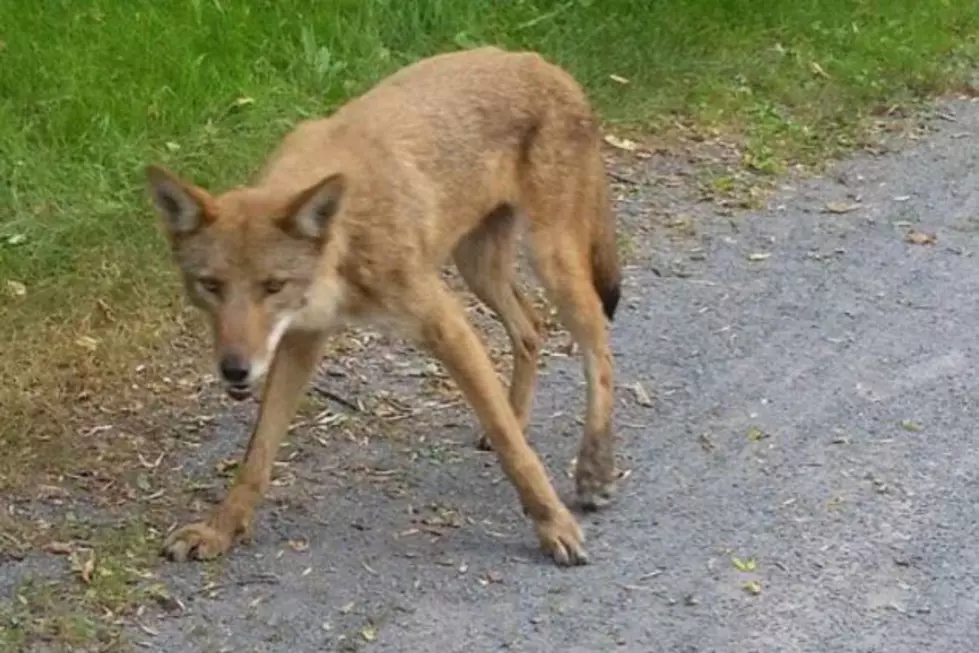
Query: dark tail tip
610	299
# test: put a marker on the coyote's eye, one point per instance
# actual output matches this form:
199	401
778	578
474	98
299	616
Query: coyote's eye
272	286
210	285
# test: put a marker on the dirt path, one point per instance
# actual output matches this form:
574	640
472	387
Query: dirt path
812	410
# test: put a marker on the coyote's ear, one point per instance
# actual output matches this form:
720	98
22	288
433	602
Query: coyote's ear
309	214
184	208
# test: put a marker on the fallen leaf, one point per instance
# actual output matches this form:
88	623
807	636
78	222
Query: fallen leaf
908	425
143	483
572	466
621	143
169	603
818	70
150	464
642	397
87	342
743	565
755	434
85	569
58	548
916	237
753	587
152	632
759	256
369	633
299	545
16	288
226	466
840	207
705	442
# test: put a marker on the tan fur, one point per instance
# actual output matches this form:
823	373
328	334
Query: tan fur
350	221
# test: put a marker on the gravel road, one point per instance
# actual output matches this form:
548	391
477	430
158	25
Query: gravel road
802	473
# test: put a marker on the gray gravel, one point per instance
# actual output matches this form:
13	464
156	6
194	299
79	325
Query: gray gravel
812	413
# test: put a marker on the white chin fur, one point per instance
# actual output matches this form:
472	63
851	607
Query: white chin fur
260	367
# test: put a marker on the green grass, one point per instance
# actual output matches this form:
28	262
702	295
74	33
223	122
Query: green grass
72	613
93	90
91	324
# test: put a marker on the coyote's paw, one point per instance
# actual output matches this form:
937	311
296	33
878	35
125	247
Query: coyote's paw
199	541
595	476
561	537
594	492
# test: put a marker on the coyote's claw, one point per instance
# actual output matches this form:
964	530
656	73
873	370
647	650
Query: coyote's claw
562	538
199	541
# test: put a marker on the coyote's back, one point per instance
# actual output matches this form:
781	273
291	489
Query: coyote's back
465	135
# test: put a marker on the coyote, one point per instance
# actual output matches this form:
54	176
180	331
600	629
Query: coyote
351	220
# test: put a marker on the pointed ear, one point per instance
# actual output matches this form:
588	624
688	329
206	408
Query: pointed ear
183	207
309	214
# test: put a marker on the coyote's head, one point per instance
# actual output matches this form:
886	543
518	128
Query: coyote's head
249	261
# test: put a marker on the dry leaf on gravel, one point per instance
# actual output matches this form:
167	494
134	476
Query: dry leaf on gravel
621	143
59	548
226	466
916	237
642	397
369	633
705	442
840	207
165	600
743	565
299	545
84	568
753	587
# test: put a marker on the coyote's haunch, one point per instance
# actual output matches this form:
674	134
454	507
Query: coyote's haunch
350	222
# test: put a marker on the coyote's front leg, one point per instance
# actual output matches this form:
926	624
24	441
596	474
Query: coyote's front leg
292	367
446	333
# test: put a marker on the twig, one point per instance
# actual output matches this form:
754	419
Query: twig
323	392
623	178
260	579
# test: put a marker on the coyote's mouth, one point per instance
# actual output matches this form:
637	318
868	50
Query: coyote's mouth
239	392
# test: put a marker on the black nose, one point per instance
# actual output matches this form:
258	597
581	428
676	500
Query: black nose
234	369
